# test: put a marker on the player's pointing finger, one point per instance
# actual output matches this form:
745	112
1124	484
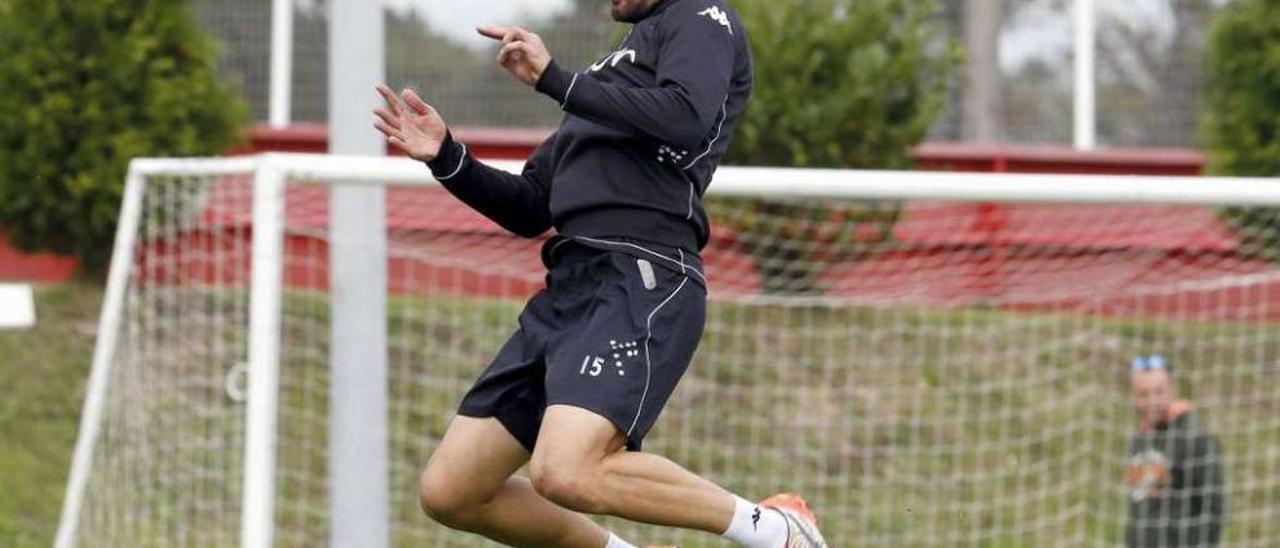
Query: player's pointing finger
494	32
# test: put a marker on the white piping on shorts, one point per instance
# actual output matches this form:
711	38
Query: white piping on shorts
648	367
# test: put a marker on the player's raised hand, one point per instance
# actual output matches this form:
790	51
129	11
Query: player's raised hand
523	54
410	124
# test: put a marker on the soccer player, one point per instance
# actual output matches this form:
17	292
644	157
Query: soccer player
600	350
1176	488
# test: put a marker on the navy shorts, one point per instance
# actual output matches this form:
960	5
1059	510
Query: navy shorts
611	333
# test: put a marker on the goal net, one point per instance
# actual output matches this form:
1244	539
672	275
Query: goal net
931	359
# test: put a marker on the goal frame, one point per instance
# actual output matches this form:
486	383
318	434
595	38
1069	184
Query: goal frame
272	172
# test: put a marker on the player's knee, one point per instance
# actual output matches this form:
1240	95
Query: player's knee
444	501
572	487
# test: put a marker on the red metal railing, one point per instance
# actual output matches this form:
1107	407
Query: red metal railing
517	144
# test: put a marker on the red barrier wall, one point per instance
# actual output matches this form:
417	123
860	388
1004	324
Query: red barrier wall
516	144
1053	159
492	143
16	265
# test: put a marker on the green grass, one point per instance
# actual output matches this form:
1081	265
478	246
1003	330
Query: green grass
904	427
42	376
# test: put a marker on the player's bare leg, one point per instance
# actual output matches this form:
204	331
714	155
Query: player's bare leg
469	485
579	464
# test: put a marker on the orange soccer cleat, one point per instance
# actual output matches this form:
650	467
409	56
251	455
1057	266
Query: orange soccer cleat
802	524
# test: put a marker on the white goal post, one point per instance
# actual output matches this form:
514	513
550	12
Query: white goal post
932	358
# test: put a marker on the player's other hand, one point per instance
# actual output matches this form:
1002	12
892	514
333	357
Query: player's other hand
523	53
410	124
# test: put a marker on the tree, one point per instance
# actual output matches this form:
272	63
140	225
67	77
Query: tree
447	74
839	83
842	83
1149	69
1241	120
982	109
1149	73
243	28
577	37
85	86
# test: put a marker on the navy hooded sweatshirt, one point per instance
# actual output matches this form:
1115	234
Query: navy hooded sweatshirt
644	130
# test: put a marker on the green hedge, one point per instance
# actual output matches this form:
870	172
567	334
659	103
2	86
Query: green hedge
85	86
842	83
839	83
1242	112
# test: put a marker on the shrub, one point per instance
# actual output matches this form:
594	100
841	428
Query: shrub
85	86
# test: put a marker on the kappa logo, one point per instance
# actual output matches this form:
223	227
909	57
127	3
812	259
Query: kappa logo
719	16
614	58
755	519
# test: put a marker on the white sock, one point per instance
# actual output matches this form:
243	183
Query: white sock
615	542
756	527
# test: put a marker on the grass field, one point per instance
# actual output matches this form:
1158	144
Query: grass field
42	376
904	427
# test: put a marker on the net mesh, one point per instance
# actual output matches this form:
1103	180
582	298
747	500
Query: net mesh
168	465
925	373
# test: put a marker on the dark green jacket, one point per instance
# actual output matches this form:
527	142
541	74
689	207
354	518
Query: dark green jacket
1176	488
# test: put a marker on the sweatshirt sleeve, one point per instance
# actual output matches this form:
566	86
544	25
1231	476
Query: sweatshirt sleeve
518	203
696	58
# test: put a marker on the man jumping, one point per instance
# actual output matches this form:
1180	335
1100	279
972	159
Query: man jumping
600	350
